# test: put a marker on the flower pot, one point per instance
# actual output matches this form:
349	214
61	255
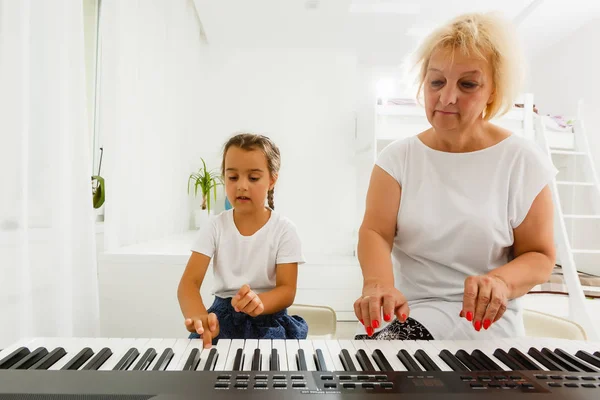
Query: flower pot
201	217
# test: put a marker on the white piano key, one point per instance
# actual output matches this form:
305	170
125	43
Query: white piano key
309	353
202	352
235	345
222	346
334	351
24	342
265	351
72	346
398	345
280	345
249	346
389	351
433	353
349	346
153	343
291	349
360	344
320	344
179	349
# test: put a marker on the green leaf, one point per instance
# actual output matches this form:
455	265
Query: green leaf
99	194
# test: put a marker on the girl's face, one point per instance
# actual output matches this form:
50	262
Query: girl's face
247	179
456	91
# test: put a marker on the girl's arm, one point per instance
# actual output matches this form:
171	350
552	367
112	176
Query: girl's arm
277	299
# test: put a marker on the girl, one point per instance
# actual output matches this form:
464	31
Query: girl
255	253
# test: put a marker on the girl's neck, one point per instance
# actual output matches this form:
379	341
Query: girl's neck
250	222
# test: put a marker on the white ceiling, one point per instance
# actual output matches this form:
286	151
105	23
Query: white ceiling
381	31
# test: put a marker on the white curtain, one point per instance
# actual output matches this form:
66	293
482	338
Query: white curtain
150	85
48	276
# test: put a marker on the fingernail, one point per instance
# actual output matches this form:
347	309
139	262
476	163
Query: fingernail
362	322
369	331
387	317
477	326
403	317
375	324
469	316
486	324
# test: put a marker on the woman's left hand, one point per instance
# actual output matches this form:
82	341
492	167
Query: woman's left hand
248	302
484	301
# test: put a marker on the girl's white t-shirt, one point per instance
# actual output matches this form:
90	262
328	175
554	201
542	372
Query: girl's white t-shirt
252	260
456	218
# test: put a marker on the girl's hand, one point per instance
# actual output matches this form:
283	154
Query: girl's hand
248	302
375	297
207	326
484	301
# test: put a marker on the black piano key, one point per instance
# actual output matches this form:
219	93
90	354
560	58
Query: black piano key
559	360
238	362
364	361
128	359
484	360
14	357
347	361
301	360
426	361
508	360
523	359
545	361
320	360
597	354
408	361
255	360
274	361
30	359
80	358
100	358
50	359
192	361
574	361
146	359
452	361
164	360
469	361
211	361
381	361
589	358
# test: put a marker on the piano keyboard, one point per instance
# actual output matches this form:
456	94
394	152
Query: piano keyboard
115	354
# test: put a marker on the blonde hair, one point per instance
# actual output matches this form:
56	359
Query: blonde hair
249	141
486	36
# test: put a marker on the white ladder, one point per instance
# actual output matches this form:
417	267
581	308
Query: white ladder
576	187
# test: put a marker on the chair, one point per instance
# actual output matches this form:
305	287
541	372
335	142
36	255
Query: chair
539	324
321	320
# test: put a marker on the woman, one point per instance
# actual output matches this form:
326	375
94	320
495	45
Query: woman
464	208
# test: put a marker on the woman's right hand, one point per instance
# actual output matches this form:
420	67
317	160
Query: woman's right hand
207	326
375	296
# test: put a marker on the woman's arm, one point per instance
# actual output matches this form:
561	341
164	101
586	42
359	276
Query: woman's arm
534	251
486	296
272	301
375	241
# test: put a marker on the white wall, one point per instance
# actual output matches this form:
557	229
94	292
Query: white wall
567	72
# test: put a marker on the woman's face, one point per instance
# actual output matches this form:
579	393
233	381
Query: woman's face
457	90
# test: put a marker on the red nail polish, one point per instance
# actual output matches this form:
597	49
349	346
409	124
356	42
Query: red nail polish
369	331
375	324
403	317
469	316
362	322
477	326
486	324
387	317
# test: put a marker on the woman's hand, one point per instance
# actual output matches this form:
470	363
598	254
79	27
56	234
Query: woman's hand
368	307
248	302
484	301
207	326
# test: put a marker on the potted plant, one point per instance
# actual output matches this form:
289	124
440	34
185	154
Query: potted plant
206	181
98	190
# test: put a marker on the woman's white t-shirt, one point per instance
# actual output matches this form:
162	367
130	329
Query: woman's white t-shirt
252	260
456	218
